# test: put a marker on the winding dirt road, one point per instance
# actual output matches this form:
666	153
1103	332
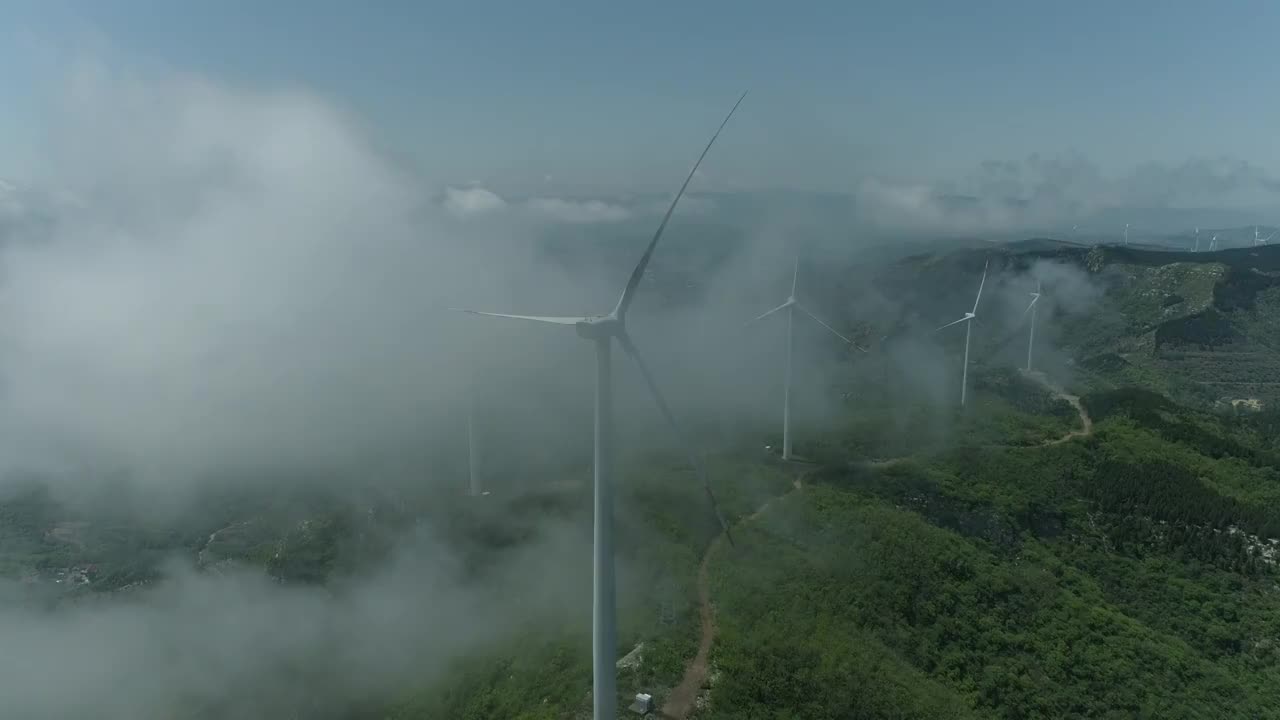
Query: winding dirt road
684	698
1086	422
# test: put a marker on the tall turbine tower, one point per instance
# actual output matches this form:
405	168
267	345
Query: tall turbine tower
1126	233
1031	337
1197	247
602	330
473	452
968	330
791	305
1213	243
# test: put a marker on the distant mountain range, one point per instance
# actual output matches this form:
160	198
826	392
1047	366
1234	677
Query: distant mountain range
1202	327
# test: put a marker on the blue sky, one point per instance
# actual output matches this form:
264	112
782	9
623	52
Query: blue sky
620	94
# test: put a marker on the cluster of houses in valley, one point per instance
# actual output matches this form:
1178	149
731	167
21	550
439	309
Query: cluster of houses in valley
72	576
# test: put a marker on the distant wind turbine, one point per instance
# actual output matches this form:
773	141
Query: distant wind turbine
602	330
1213	243
1197	246
968	330
791	305
1031	338
1261	240
1126	233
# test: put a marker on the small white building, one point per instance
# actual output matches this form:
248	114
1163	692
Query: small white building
643	704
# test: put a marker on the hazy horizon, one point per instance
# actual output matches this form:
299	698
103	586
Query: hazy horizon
1002	100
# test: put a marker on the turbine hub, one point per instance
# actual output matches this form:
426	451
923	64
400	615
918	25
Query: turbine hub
599	327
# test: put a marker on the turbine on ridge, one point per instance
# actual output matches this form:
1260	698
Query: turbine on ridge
968	329
602	330
1031	338
791	305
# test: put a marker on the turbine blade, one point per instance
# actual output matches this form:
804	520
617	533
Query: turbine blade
628	293
795	276
629	347
957	322
1033	303
818	320
536	318
758	318
984	282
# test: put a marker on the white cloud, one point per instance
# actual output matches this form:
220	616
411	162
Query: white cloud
579	211
475	200
243	285
689	205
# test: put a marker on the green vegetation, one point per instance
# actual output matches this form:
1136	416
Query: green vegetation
667	525
937	563
1079	580
1125	575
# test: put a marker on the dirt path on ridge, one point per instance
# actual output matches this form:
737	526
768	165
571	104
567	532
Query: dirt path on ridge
684	698
1086	422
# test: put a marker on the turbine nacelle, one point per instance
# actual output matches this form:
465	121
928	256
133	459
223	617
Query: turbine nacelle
600	327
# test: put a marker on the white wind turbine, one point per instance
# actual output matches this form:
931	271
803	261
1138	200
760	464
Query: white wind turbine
1213	243
968	329
1197	246
1031	338
1126	233
791	305
602	330
1257	240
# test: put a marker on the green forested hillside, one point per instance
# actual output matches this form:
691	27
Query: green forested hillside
1042	583
1126	574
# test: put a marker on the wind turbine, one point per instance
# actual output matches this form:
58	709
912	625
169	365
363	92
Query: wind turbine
968	328
602	330
1197	247
791	305
1213	244
1261	240
1031	338
1126	233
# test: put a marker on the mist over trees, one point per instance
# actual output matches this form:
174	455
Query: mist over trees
234	408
